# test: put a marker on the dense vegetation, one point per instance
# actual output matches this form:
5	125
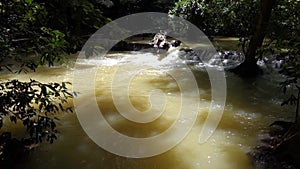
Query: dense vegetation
47	30
34	104
50	30
264	26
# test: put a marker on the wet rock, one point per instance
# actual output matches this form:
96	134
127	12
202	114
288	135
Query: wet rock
226	59
160	41
271	153
275	62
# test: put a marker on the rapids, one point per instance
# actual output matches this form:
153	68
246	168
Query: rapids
251	106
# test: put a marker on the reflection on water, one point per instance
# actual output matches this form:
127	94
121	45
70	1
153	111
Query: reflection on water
251	105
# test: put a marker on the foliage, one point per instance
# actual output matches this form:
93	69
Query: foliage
287	46
77	19
239	18
292	72
284	30
46	29
22	32
120	8
285	19
34	104
219	17
49	30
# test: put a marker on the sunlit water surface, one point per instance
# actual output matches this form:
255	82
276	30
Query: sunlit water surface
251	106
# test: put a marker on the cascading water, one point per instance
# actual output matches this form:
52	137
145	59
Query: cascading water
251	105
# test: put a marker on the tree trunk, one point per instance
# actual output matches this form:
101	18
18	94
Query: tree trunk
249	67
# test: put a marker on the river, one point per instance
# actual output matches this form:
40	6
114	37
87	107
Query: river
251	105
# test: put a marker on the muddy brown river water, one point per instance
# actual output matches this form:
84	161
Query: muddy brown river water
251	106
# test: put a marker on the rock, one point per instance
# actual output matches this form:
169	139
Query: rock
274	151
275	62
226	59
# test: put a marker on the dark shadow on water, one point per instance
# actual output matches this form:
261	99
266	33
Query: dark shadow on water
74	149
